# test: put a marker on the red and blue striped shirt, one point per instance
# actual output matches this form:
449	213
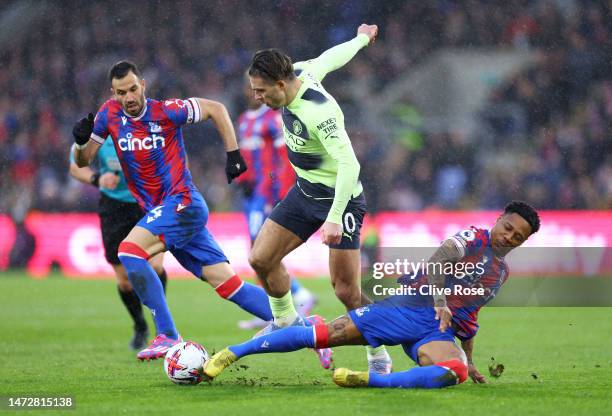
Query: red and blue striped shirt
150	147
263	148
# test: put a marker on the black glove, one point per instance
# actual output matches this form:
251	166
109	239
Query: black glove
82	129
235	165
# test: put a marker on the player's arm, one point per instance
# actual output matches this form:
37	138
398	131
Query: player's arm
340	55
338	145
217	112
87	175
468	348
448	252
85	149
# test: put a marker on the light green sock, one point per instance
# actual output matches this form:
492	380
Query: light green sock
373	352
283	310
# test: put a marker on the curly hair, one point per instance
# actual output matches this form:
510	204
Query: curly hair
526	211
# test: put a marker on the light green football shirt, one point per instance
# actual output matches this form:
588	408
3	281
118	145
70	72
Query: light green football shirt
317	143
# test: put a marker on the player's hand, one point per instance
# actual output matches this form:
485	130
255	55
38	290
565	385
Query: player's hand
331	233
444	315
370	30
109	181
235	165
475	375
82	129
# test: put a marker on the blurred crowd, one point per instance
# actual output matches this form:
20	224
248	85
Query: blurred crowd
556	153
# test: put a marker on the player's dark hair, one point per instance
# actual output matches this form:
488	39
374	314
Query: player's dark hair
526	211
121	69
272	65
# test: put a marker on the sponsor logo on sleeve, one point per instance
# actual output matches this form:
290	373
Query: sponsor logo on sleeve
328	126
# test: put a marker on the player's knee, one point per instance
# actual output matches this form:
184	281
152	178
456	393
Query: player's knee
260	264
350	296
456	366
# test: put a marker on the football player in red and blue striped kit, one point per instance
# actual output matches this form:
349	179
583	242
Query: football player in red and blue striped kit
149	143
425	325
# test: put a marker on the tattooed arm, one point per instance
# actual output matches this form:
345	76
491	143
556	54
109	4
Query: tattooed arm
448	252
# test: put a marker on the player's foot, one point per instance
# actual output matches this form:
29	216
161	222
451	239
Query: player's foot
255	323
380	363
324	354
348	378
304	301
139	340
158	348
271	327
218	362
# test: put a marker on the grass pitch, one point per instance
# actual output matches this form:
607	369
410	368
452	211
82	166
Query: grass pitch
69	337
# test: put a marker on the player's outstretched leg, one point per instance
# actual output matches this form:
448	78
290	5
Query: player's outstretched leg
341	331
230	286
287	339
442	374
443	365
147	285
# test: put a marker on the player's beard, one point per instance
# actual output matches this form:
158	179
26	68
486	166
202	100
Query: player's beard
134	108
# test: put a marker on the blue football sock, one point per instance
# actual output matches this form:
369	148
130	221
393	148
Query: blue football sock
287	339
429	377
251	298
149	289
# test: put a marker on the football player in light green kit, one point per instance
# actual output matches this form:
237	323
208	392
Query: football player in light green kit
327	193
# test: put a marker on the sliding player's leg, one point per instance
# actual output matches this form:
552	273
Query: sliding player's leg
442	363
341	331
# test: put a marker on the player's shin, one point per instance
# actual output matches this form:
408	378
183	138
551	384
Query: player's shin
292	338
443	374
147	286
251	298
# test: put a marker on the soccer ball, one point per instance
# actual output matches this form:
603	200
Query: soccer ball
184	362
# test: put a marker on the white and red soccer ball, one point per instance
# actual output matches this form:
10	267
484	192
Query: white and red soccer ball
184	361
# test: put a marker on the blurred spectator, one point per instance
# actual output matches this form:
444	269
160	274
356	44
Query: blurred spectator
50	76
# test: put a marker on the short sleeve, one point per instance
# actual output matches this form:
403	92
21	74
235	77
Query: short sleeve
100	130
182	112
470	240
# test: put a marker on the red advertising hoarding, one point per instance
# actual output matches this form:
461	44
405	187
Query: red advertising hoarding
73	241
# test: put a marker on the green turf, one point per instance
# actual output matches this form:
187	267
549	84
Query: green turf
69	337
